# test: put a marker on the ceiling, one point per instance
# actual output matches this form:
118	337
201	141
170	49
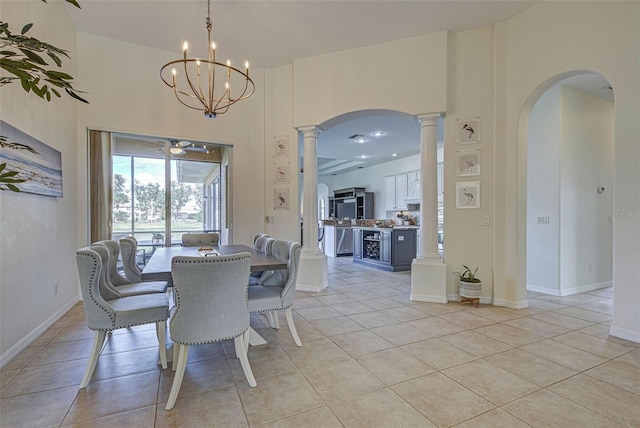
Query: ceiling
274	33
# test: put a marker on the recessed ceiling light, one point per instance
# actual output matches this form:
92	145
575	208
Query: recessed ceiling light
361	140
394	154
377	133
363	156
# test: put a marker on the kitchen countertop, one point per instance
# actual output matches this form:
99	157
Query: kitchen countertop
396	227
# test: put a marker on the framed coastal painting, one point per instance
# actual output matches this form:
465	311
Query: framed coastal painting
468	130
468	194
35	162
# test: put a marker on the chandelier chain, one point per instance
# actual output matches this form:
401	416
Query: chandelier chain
208	21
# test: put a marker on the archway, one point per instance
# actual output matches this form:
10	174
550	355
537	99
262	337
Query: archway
565	185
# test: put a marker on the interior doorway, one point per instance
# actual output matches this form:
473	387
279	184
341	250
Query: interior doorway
570	165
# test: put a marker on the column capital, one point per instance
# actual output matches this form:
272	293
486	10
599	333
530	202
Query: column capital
306	130
428	119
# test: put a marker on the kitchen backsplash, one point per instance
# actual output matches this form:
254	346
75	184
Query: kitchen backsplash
412	217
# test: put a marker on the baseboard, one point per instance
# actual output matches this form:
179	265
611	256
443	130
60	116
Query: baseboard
569	291
427	298
310	288
520	304
625	333
483	299
35	333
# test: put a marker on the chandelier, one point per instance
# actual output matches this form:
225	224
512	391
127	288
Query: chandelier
205	84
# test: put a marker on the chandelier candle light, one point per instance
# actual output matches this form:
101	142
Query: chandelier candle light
216	76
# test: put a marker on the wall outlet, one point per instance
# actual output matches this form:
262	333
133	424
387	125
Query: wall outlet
272	219
55	288
485	220
590	267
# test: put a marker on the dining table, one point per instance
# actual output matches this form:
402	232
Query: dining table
158	267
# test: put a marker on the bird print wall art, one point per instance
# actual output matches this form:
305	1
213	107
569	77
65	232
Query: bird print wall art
468	162
468	131
468	194
281	199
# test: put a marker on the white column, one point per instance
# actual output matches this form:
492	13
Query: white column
312	274
428	272
429	186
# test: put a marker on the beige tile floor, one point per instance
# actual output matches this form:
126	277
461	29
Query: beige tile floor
370	358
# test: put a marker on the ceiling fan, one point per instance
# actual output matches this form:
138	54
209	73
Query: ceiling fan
182	147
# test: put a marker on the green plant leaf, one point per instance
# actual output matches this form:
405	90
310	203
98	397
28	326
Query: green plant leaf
76	96
13	188
33	56
24	57
25	85
58	75
26	28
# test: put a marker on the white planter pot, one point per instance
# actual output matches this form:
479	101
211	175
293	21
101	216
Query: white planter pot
472	290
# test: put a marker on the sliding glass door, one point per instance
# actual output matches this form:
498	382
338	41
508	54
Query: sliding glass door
161	189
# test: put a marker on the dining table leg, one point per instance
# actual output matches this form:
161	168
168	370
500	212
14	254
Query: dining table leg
255	339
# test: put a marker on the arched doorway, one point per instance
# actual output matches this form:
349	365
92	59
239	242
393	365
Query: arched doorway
567	132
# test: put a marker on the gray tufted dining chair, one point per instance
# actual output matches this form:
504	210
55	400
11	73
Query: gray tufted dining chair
258	235
277	291
129	251
122	285
211	306
198	239
263	245
106	311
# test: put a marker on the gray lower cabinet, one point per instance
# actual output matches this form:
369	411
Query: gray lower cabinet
388	249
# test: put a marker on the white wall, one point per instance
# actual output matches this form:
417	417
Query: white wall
278	122
37	233
543	194
127	95
470	94
586	237
407	75
570	150
534	50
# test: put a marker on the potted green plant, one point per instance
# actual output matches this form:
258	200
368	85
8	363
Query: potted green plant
470	286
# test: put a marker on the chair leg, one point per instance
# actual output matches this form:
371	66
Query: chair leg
183	354
244	361
269	316
292	326
239	348
161	332
174	362
98	341
276	321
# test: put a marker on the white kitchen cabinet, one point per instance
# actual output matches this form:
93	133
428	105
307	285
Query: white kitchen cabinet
413	186
395	192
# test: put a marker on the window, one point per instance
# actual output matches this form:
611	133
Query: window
140	187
